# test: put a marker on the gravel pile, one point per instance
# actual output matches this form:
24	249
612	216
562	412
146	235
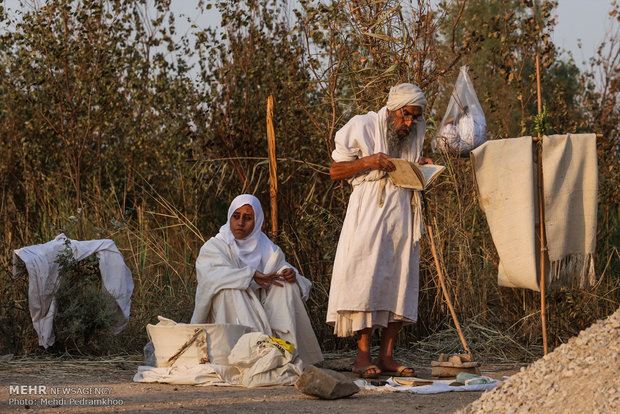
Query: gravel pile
581	376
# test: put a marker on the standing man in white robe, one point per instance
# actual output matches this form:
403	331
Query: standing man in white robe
375	281
244	279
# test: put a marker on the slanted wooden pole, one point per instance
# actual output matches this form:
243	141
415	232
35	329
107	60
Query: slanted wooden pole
444	289
541	218
273	169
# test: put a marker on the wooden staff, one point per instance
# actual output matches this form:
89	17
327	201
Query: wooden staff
444	289
541	217
273	169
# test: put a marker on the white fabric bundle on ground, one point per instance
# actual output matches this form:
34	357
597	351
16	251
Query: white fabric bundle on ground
262	364
168	336
504	171
237	356
43	279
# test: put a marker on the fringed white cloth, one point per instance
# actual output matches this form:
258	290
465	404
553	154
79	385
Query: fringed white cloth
570	177
505	175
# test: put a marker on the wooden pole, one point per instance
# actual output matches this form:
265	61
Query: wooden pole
273	169
541	218
444	289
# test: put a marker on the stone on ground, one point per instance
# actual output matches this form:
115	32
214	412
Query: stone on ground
325	383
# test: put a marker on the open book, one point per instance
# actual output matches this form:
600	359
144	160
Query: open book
411	175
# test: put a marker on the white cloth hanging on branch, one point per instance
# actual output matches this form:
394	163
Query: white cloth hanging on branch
43	280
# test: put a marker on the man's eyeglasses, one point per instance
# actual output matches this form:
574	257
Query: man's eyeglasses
409	117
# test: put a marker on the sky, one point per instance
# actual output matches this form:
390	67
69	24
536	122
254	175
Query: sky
580	22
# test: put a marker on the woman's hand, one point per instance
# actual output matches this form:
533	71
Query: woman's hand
266	279
288	275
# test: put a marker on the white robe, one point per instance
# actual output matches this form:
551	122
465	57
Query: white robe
375	278
226	293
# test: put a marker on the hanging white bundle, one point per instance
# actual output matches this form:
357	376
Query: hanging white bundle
463	127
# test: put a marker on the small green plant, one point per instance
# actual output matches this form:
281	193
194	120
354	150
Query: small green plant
541	122
85	311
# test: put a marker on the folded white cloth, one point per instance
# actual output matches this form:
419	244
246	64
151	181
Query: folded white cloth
199	374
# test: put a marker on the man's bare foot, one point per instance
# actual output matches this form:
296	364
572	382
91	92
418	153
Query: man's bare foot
364	367
367	371
388	365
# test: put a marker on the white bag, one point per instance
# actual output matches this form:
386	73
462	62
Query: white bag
168	337
464	126
261	363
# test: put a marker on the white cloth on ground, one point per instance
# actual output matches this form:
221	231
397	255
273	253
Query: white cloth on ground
570	177
43	279
261	364
376	266
437	387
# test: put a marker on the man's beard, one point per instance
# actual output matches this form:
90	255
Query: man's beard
395	142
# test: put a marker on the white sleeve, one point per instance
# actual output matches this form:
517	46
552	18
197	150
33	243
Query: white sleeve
355	139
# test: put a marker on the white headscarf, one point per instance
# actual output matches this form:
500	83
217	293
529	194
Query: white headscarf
405	94
254	250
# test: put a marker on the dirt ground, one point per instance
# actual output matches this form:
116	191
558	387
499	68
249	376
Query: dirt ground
76	381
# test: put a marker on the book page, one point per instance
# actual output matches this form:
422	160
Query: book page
405	175
430	172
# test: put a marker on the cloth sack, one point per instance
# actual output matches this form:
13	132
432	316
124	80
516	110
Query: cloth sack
250	359
168	337
261	362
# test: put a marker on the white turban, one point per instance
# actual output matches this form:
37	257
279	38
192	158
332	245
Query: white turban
405	94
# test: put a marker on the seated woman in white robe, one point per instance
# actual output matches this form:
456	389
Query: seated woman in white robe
243	278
